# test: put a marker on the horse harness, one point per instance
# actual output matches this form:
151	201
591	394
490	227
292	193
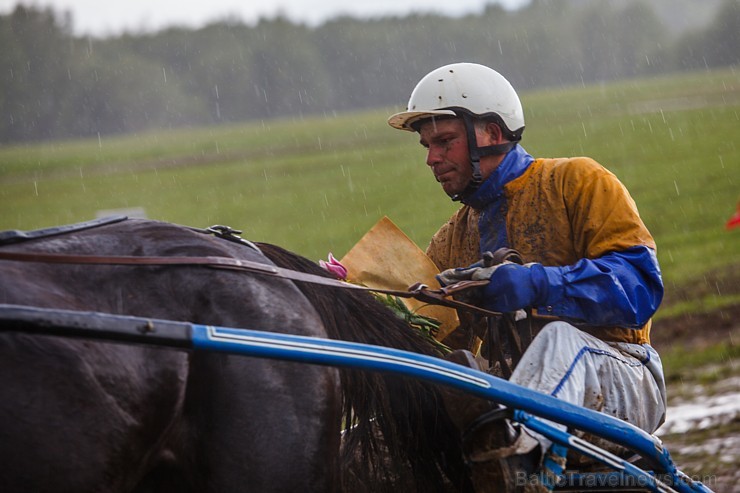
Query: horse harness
504	330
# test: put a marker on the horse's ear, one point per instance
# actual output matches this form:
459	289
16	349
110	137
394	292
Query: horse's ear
386	258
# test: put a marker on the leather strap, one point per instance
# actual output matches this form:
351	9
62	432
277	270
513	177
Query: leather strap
418	291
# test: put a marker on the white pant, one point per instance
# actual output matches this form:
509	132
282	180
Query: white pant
620	379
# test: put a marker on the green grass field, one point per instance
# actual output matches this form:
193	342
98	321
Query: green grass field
315	185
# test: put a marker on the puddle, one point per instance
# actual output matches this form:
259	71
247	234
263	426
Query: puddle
707	412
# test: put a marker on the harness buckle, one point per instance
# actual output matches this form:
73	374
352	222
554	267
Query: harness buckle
230	234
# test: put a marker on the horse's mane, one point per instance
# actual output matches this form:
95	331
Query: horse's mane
399	422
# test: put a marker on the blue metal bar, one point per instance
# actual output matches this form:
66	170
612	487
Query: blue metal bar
627	474
375	358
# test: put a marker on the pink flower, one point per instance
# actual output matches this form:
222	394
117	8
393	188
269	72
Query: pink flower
335	267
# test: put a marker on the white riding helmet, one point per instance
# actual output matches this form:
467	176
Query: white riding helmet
463	88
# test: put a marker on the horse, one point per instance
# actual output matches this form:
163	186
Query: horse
83	415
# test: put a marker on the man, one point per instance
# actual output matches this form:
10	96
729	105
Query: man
590	262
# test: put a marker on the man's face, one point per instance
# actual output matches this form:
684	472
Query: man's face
447	153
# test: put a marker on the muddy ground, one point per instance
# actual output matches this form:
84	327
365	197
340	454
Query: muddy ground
705	447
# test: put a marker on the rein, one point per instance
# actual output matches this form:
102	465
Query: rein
419	291
518	334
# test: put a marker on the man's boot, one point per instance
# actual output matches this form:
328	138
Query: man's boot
501	456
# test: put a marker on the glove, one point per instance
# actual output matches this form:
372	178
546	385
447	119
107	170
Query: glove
474	272
515	286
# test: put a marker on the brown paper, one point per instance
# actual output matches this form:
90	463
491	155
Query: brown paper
385	258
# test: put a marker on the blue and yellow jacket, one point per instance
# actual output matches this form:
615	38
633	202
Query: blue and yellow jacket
577	219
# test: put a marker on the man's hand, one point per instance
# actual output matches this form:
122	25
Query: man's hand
511	287
474	272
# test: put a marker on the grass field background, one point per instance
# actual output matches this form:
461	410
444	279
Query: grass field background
317	184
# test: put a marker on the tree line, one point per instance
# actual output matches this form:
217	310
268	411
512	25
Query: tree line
54	84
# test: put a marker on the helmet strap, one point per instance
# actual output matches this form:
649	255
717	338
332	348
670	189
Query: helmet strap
476	153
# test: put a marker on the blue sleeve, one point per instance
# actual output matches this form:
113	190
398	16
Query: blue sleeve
622	288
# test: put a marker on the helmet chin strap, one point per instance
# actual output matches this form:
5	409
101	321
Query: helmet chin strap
475	154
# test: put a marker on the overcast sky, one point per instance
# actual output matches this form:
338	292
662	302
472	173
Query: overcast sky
110	17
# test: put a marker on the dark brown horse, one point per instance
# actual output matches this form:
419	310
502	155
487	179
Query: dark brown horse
81	415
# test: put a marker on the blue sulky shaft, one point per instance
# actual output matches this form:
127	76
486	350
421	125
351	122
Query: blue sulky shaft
376	358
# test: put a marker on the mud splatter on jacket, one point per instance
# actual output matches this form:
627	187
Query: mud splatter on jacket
577	219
